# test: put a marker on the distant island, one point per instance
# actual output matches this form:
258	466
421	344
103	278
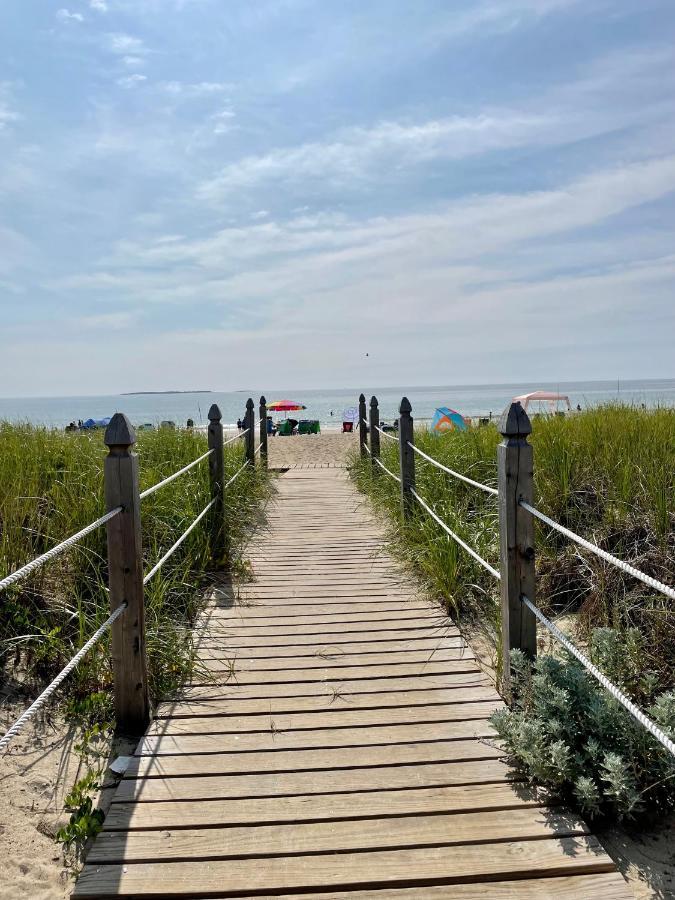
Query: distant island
143	393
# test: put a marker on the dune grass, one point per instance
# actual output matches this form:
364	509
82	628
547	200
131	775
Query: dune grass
51	485
607	473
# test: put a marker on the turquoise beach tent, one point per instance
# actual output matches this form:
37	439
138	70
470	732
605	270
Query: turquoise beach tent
446	419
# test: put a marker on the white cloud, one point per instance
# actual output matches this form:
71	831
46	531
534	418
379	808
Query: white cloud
223	121
200	89
356	152
7	112
64	15
323	267
125	44
133	62
99	5
130	81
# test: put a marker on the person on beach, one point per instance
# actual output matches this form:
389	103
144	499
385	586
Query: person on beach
239	424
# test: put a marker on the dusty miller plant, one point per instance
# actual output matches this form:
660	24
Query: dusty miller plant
566	731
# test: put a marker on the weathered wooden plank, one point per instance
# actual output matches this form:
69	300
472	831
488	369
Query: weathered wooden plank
324	807
609	886
332	650
240	673
274	738
269	760
441	634
477	863
279	784
442	830
233	699
321	623
220	717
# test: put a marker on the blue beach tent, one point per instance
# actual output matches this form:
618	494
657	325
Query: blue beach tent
96	423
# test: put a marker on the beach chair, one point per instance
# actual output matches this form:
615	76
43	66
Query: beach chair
347	427
285	427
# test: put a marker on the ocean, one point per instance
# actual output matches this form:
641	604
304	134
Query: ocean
327	406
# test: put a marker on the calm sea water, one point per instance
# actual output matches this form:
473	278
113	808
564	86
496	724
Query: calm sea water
327	406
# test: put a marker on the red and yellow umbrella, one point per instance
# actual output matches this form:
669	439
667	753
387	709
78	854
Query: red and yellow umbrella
285	405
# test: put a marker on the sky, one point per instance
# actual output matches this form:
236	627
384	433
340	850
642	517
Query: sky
313	194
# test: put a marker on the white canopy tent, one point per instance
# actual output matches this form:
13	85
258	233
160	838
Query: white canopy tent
549	397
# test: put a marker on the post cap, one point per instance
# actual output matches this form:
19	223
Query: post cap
249	403
405	407
362	398
214	413
373	400
514	421
263	402
120	432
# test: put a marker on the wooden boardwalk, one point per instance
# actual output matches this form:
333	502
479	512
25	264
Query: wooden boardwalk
337	745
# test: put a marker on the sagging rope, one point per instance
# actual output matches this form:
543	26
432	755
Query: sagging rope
55	551
603	554
455	537
235	438
161	484
388	471
386	434
63	674
435	462
637	714
158	565
235	476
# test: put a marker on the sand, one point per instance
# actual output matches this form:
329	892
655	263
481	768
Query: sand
42	766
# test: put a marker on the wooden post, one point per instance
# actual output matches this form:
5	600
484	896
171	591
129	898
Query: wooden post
362	426
125	578
263	432
516	536
407	457
374	434
217	480
249	437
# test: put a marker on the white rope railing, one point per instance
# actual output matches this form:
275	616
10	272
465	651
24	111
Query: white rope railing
55	551
161	484
603	554
388	471
367	449
455	537
235	438
386	434
257	449
235	476
637	714
435	462
158	565
63	674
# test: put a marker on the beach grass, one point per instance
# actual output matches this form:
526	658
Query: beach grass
51	485
607	473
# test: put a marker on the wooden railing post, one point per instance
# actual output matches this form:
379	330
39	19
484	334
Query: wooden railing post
217	480
516	536
125	578
407	457
263	432
362	426
249	437
374	434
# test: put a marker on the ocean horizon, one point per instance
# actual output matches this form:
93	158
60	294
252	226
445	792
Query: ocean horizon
326	405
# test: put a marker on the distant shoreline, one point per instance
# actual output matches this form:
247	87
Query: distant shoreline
148	393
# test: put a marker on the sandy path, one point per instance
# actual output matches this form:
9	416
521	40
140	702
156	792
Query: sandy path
327	449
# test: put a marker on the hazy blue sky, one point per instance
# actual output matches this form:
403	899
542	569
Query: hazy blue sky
218	193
